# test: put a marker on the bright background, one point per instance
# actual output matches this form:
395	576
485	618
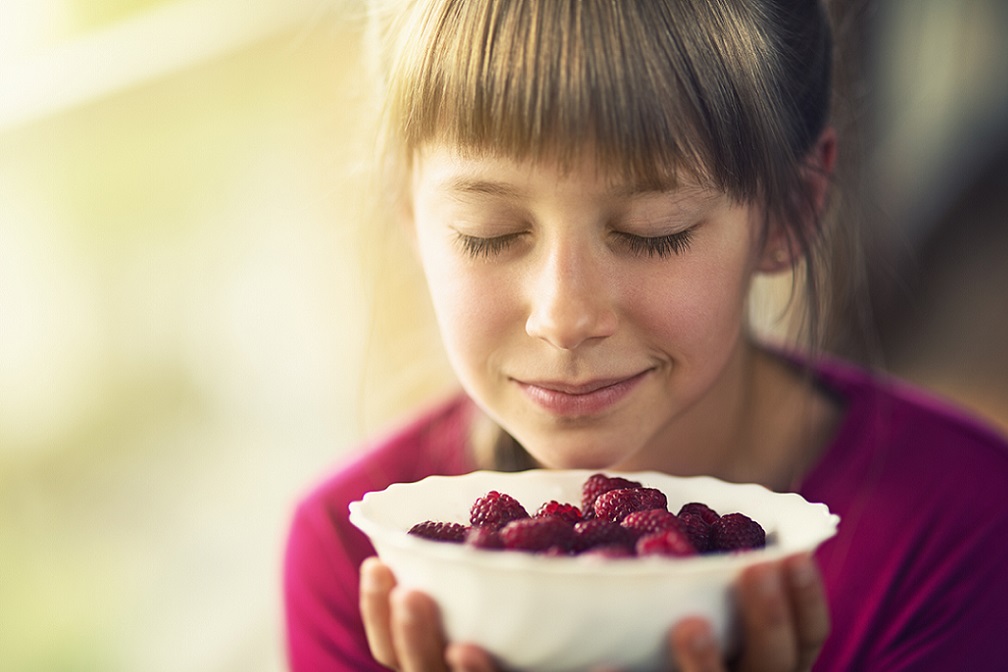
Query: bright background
187	335
183	319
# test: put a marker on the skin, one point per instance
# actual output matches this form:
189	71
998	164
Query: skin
602	325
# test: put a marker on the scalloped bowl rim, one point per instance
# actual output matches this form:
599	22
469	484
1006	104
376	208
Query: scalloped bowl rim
362	515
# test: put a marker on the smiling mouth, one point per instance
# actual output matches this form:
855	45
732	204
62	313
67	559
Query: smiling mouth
580	399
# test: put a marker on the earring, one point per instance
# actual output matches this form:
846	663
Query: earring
780	255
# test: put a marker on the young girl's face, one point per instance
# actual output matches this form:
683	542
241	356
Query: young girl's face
595	319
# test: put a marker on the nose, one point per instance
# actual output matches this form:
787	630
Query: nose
571	300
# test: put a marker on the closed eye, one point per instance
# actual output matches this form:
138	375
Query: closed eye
657	246
478	248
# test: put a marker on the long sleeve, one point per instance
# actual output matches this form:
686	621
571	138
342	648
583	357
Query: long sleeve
324	630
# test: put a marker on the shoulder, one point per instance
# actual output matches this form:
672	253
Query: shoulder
906	464
913	477
915	573
324	550
433	442
912	429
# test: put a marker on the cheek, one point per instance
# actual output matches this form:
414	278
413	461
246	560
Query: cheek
698	307
471	308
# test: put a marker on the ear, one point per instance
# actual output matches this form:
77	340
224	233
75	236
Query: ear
780	249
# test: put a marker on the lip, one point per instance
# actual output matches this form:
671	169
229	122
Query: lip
581	399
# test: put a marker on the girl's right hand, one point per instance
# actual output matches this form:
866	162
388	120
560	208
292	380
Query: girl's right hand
404	627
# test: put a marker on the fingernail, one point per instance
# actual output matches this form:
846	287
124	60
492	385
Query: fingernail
371	580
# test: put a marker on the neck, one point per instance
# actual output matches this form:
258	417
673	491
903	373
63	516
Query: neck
762	422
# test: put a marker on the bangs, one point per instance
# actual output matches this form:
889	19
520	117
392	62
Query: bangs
657	91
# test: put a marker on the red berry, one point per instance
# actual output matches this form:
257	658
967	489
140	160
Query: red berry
496	510
697	529
439	531
614	505
589	534
671	542
621	518
565	512
649	521
484	537
708	514
596	484
538	535
734	532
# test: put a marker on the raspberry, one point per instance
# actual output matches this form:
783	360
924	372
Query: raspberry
672	542
594	533
649	521
596	484
538	535
697	529
708	514
496	510
483	537
614	505
565	512
618	518
439	531
734	532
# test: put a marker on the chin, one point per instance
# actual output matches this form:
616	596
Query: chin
592	465
578	456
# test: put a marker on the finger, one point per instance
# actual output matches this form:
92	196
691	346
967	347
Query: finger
468	658
416	632
808	604
768	637
693	647
376	584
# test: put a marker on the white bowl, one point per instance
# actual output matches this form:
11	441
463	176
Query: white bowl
560	614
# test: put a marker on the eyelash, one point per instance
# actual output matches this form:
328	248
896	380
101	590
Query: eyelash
650	246
658	246
485	247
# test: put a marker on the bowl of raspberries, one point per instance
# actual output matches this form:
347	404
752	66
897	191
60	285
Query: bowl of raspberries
557	571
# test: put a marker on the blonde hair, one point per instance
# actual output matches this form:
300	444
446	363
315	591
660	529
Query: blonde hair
733	94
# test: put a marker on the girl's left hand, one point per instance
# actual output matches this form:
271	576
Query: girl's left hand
784	622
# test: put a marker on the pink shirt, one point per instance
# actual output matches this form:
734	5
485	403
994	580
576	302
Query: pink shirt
917	576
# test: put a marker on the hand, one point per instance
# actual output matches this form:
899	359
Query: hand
784	622
404	628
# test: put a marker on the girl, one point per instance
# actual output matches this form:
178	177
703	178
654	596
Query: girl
592	187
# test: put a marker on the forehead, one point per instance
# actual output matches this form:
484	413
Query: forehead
467	174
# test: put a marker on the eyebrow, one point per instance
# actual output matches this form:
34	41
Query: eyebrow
461	185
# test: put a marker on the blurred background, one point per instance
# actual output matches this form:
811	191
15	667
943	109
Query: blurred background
183	320
189	338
